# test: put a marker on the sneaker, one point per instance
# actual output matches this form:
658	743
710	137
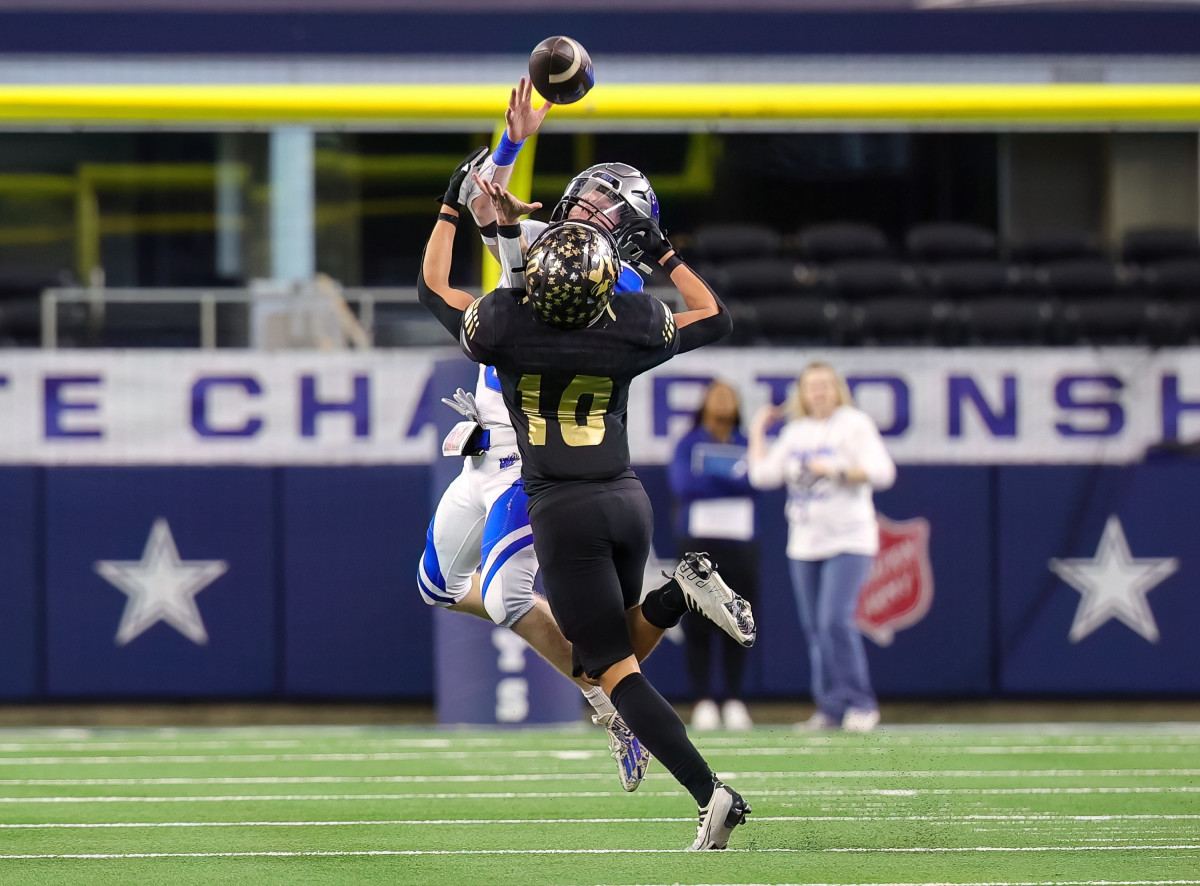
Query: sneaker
818	722
724	812
632	759
735	716
706	716
860	721
708	595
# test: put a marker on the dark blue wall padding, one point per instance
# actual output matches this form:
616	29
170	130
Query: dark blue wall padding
19	530
94	514
353	622
1061	512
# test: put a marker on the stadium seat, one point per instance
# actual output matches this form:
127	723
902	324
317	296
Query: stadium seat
1010	319
751	278
1123	319
1146	246
839	241
1080	278
727	242
860	278
1045	248
949	241
799	320
969	278
901	320
1177	278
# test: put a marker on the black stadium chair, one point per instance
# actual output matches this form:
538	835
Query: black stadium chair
798	320
901	320
861	278
958	279
1013	319
949	241
839	241
751	278
1177	279
1045	248
1147	246
728	242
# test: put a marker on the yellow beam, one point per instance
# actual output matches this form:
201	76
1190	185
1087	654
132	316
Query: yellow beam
693	103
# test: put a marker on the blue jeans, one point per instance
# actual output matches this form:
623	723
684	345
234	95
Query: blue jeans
827	595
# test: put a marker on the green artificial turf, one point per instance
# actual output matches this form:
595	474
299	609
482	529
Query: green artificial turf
334	805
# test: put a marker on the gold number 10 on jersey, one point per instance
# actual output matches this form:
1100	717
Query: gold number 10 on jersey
587	391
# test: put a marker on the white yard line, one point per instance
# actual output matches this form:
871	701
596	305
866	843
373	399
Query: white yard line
968	820
596	776
519	795
340	853
573	753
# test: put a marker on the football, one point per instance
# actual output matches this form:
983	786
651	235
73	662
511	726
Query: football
561	70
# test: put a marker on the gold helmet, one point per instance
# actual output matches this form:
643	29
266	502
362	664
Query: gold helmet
570	273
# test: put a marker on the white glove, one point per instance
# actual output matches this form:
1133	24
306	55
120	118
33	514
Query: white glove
464	404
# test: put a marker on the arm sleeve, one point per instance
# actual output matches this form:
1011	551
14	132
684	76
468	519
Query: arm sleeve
768	473
476	332
512	259
706	331
867	452
449	317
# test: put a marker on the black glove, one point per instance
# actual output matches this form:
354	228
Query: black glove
642	244
473	163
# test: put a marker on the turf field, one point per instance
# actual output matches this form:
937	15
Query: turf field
950	805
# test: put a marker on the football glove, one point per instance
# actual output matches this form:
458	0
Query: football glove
464	404
460	181
642	244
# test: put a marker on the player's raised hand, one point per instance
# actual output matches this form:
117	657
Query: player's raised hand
509	209
521	117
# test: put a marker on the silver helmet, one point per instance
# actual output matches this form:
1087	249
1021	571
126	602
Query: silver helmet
571	270
608	194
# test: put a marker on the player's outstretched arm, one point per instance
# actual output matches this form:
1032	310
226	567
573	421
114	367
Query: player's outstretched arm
706	320
433	282
521	120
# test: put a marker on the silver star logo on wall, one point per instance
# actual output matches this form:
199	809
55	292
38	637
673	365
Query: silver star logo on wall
161	587
1114	584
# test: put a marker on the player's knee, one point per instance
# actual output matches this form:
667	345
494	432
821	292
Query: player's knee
508	597
430	582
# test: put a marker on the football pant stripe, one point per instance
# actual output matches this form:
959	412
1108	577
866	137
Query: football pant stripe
524	540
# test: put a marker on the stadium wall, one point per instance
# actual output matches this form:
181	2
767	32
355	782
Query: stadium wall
1072	578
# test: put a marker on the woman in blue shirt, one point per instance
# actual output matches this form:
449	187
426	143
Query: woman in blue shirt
714	512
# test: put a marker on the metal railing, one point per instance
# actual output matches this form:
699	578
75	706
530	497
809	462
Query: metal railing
364	300
206	301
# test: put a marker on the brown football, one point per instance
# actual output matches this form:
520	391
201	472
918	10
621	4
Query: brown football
561	70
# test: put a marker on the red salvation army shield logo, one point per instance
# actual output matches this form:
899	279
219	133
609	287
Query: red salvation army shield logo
899	588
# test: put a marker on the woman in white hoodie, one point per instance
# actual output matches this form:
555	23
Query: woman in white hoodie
831	458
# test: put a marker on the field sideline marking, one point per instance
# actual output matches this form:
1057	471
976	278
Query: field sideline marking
589	776
338	853
540	795
933	819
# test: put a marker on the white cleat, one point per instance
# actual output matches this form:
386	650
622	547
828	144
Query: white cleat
706	716
860	722
632	758
735	716
818	722
724	812
707	594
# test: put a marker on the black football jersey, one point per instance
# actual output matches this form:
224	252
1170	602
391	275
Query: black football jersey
567	390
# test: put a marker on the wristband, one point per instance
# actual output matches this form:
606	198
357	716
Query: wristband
447	217
511	232
672	263
506	152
